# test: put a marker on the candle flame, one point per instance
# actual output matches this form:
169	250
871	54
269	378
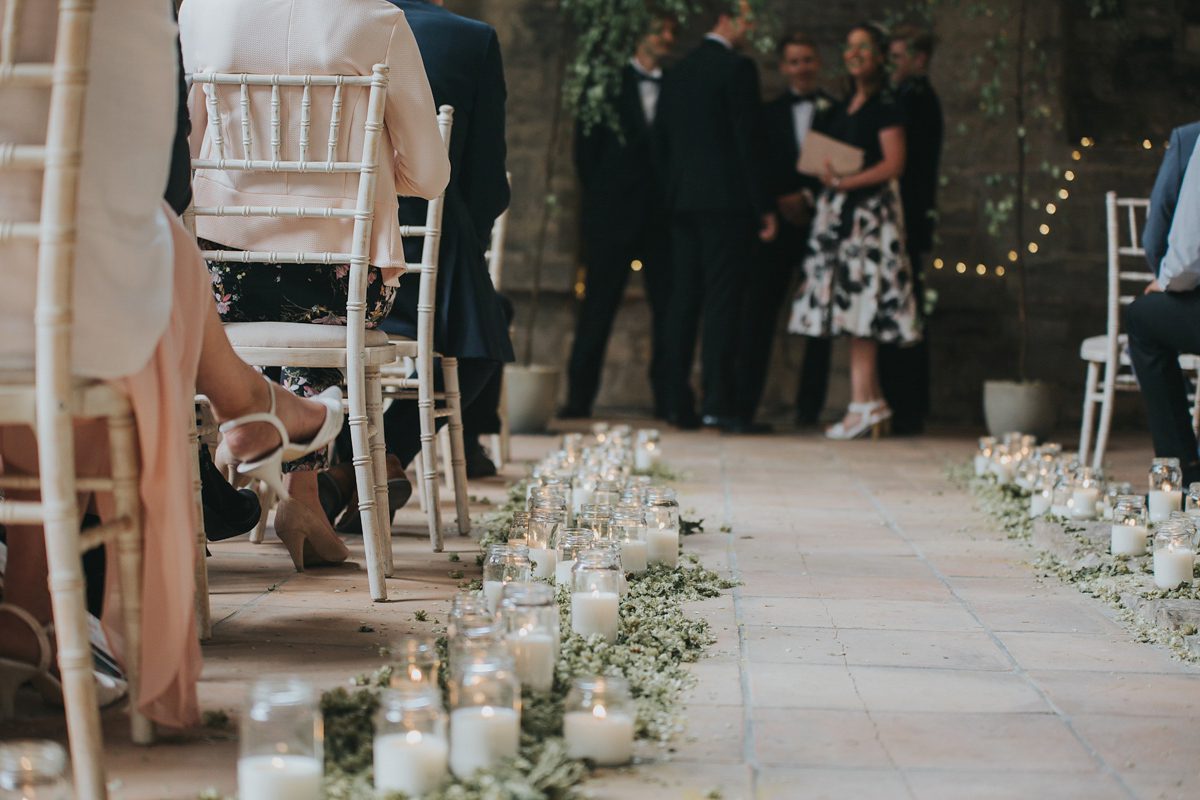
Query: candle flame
277	763
415	673
488	711
413	737
599	712
26	764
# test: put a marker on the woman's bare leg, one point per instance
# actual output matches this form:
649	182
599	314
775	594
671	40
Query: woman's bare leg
864	375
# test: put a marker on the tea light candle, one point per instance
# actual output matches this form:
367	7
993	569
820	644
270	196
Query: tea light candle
1002	469
562	572
595	612
1173	566
1129	540
981	465
1084	502
580	496
662	546
1039	503
279	777
1162	503
533	654
543	561
480	736
413	762
633	556
493	591
605	738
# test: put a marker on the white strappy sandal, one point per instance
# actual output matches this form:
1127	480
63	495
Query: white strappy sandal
873	418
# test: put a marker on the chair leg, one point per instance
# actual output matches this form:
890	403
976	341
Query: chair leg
364	478
446	450
419	470
1106	413
1196	404
379	462
458	458
1089	407
500	442
433	502
203	612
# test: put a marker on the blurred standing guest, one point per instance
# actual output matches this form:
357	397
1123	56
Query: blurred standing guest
904	371
858	279
623	221
462	60
708	135
1165	195
786	121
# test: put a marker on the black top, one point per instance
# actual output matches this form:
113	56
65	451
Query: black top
861	129
619	180
707	133
923	146
779	131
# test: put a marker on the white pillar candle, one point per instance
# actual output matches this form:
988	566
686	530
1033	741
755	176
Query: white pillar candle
580	496
413	762
607	739
1060	511
1173	566
1129	540
1163	503
662	546
633	556
1039	504
1023	482
480	736
279	777
1084	506
981	465
595	612
1002	470
643	458
562	572
534	656
542	561
493	591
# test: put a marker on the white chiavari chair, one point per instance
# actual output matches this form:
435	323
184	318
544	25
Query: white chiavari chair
400	383
50	398
1109	369
354	349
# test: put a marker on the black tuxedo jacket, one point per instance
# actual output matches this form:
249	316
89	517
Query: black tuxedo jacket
779	134
707	133
619	180
923	145
462	61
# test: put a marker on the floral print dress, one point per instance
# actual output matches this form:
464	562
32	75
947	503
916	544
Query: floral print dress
312	293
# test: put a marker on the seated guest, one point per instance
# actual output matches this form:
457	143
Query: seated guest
145	321
310	37
1165	321
462	59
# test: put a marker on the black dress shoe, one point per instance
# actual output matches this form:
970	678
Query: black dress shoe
228	512
744	428
573	412
685	420
479	465
712	421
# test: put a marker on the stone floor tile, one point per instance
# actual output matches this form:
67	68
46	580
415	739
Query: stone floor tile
1088	652
917	615
1160	784
719	683
803	686
1143	743
1014	784
713	734
845	587
950	691
1129	694
928	649
685	780
831	784
816	738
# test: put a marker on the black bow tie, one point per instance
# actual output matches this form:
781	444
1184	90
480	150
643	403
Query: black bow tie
803	98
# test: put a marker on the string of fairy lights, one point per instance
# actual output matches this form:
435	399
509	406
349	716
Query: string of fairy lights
1043	229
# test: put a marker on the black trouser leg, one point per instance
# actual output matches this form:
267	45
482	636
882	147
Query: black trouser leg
904	375
683	314
728	246
607	273
1160	327
814	379
482	415
656	277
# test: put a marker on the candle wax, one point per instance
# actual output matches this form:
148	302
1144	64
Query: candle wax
662	546
543	561
595	612
534	656
480	736
1084	505
607	740
413	762
1038	504
1129	540
1161	504
981	465
279	777
633	556
1173	566
562	572
493	591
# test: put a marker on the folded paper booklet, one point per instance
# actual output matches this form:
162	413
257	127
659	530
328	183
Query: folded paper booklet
818	148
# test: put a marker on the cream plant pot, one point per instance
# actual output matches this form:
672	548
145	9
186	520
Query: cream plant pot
1028	407
531	392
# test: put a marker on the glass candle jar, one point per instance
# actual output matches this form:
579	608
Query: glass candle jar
485	711
1191	501
629	529
1085	493
548	497
662	525
570	542
414	660
1174	555
596	517
1060	505
475	633
595	594
1041	496
983	457
608	493
33	769
1166	483
411	747
614	549
544	525
598	720
530	616
646	453
282	741
1129	529
504	563
1112	491
461	605
518	530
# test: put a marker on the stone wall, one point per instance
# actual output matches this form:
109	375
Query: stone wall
973	331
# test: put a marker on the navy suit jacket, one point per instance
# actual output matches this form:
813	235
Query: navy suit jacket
1166	193
462	61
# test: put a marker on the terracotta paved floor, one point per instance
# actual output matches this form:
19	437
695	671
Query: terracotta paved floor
885	643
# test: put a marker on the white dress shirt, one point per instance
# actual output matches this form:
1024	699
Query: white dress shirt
802	119
1180	270
648	89
716	37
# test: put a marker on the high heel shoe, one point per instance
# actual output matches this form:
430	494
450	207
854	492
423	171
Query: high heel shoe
331	398
309	539
873	418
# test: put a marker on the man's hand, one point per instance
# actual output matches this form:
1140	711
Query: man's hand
1153	287
796	208
768	229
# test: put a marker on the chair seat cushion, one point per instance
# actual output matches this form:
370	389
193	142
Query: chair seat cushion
294	334
1095	348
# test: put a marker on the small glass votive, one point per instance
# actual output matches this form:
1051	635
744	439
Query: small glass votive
608	493
485	711
595	594
614	549
33	769
518	529
544	525
1166	482
983	458
647	451
598	720
530	616
1129	529
1085	493
504	563
474	633
1060	504
570	542
1174	555
414	660
1041	496
1112	491
282	741
629	529
597	517
1191	500
662	525
412	750
461	605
